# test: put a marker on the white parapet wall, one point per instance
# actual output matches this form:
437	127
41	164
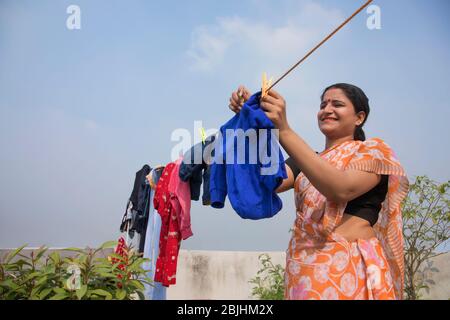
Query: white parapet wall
225	275
215	275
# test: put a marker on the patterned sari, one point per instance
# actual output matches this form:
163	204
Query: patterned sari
320	263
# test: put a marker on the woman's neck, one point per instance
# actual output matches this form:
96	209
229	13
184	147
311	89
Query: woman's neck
331	142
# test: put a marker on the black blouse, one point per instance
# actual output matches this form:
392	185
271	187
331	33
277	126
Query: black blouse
366	206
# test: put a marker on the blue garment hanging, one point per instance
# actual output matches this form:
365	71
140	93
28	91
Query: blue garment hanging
251	193
155	291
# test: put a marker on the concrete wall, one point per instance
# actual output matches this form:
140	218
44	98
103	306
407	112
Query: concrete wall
440	290
224	275
217	274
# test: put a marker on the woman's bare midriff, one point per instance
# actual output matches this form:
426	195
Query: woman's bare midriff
353	228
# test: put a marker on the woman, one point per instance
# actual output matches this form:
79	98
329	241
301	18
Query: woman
347	238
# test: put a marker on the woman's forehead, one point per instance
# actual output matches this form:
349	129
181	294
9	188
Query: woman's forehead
334	94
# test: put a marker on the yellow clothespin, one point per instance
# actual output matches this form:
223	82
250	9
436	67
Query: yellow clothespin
241	98
265	85
203	134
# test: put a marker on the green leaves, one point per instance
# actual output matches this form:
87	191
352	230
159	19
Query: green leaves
59	290
102	293
121	294
108	244
41	275
60	296
44	293
41	280
81	292
426	229
55	257
14	253
137	284
269	281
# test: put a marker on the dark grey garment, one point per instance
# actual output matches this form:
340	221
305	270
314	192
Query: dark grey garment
136	217
195	170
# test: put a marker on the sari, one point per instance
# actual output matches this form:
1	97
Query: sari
320	263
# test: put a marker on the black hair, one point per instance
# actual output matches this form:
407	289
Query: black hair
360	103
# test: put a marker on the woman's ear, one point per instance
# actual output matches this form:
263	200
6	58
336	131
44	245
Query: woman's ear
361	118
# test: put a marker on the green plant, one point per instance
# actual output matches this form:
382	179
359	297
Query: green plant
426	227
269	281
82	275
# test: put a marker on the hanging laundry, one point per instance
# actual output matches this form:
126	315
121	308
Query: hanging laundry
195	168
170	236
138	184
180	197
251	193
154	291
128	227
143	214
134	220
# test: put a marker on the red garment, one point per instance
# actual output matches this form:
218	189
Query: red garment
180	196
170	237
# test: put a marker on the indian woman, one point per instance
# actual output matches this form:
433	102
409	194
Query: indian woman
347	240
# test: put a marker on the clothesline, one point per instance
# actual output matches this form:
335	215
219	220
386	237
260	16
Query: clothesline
320	44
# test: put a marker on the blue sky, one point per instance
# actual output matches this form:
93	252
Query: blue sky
82	110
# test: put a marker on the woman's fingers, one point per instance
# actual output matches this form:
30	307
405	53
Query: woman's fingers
274	105
267	106
234	105
234	108
274	94
269	99
236	101
244	93
238	98
268	110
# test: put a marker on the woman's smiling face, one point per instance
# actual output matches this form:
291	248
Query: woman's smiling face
337	117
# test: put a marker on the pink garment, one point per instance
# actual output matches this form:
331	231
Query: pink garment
180	198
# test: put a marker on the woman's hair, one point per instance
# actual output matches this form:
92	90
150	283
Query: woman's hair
359	101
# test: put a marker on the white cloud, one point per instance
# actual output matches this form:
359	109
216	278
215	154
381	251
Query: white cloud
262	41
90	124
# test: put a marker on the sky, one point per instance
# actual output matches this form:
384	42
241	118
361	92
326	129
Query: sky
82	110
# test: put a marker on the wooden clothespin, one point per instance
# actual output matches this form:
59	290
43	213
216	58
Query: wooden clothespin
265	85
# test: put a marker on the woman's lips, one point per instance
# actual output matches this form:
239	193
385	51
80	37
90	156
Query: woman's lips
328	120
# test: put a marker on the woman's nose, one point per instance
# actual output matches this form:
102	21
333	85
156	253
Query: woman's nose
328	108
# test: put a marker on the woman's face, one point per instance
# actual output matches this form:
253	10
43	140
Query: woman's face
337	117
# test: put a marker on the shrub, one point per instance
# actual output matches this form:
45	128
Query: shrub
84	275
426	228
269	281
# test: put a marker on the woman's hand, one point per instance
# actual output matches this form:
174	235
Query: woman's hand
275	107
238	98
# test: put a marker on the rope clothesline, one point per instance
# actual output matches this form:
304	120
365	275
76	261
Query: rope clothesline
320	44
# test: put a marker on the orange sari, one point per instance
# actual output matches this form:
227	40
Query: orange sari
321	264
